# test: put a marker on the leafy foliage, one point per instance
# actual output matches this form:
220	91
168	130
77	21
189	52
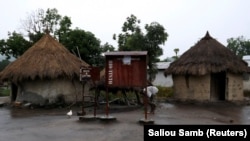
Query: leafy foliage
14	46
41	21
84	44
165	92
3	64
78	41
240	46
4	92
133	39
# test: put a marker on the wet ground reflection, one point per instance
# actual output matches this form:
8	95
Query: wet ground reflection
20	124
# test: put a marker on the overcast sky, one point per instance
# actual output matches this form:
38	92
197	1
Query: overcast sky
186	21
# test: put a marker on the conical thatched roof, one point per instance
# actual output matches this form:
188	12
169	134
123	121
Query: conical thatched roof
47	58
207	56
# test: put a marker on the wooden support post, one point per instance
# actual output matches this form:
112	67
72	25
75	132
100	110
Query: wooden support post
107	103
83	86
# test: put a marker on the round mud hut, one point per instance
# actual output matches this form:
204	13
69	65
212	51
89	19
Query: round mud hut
47	73
208	71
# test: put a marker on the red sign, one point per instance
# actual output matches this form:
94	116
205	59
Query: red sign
89	73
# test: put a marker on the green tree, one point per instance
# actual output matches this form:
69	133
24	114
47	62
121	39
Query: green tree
155	36
34	26
51	20
176	50
39	21
133	39
14	46
76	40
3	64
104	48
107	47
64	29
240	46
85	44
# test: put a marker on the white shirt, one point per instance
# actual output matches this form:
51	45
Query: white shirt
151	90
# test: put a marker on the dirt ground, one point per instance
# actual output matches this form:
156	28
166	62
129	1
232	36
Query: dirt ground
23	124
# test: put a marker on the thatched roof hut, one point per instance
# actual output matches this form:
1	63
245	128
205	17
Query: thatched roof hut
208	71
207	56
47	58
42	70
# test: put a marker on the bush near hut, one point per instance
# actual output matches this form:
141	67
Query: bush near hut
4	92
164	92
118	96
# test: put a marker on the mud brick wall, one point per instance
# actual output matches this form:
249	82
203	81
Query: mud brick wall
235	87
192	87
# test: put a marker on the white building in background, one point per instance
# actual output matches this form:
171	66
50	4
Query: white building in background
246	82
247	59
160	79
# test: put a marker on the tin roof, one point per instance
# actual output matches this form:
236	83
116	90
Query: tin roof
246	58
122	53
162	65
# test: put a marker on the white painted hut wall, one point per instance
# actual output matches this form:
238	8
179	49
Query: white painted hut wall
51	89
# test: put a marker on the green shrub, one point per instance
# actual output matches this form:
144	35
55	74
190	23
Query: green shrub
4	92
165	92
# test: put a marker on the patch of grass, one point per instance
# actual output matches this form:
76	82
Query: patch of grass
130	95
4	92
165	92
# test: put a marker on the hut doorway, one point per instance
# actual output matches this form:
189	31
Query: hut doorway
218	86
13	92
